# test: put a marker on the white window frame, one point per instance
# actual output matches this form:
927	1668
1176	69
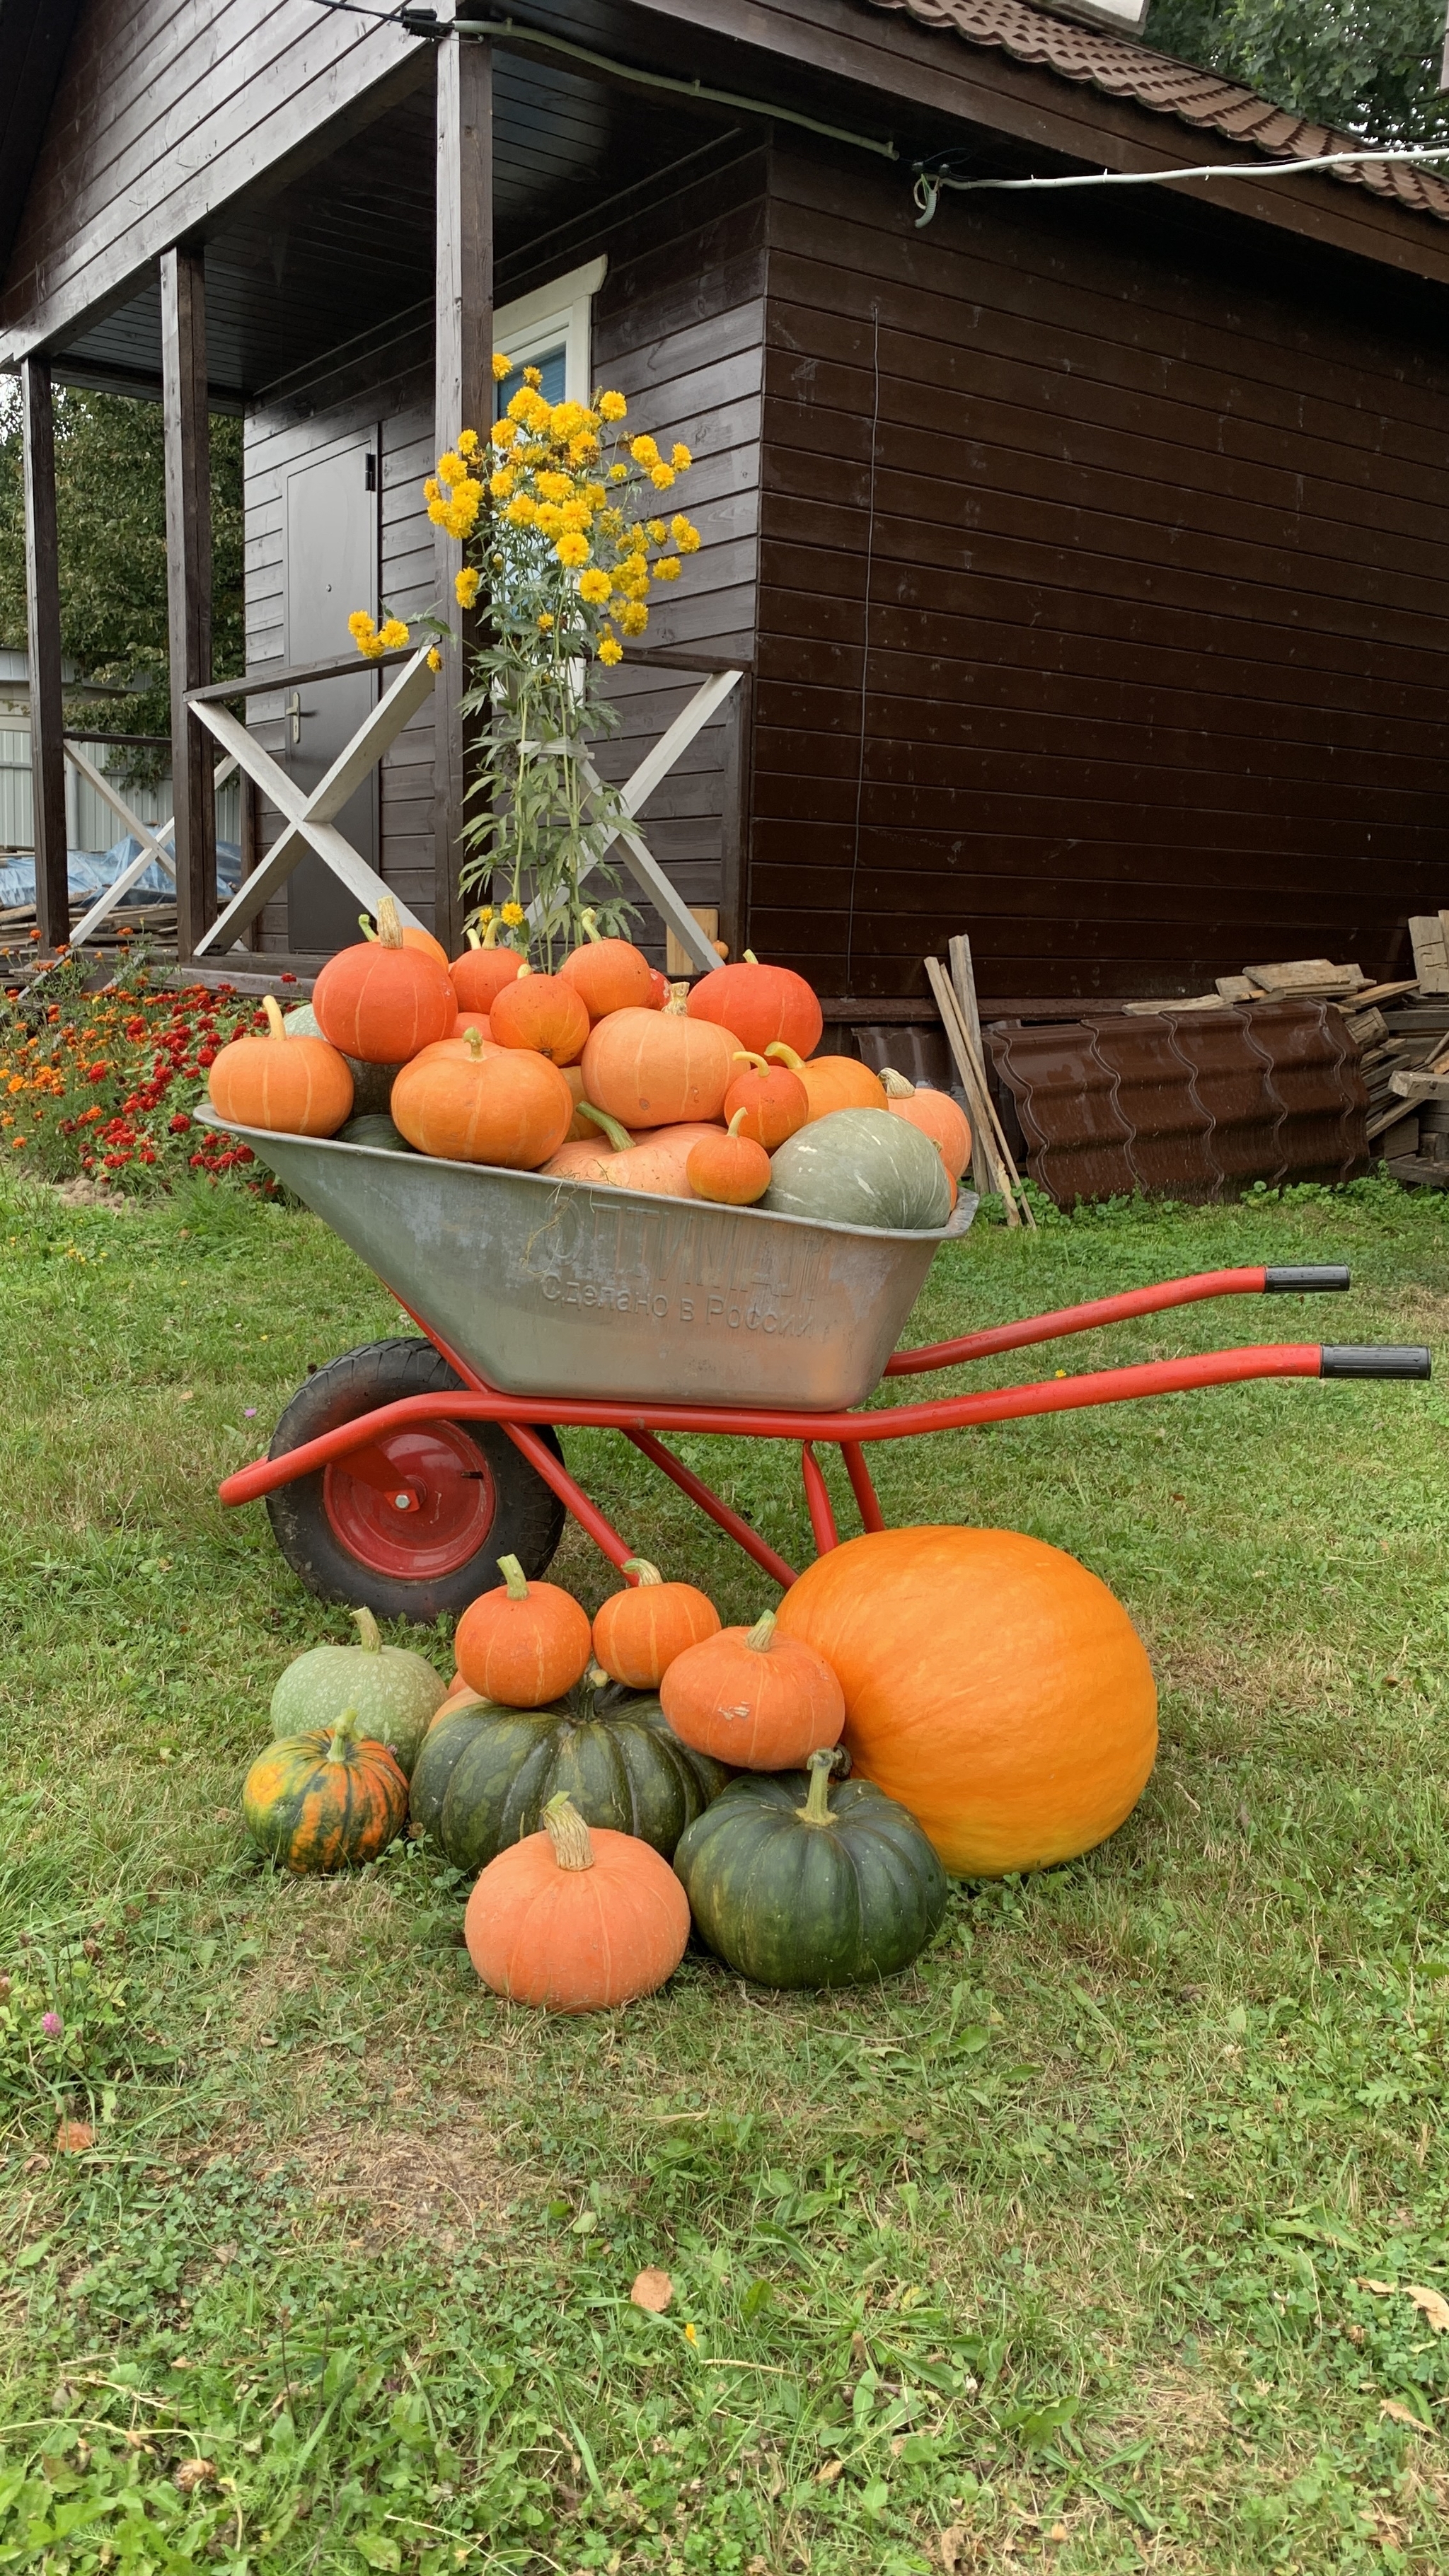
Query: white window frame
536	323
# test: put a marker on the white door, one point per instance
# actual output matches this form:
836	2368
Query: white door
331	528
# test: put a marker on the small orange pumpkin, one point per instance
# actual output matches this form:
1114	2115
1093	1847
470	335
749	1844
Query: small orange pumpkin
466	1101
640	1633
730	1169
833	1082
479	975
576	1919
759	1003
299	1088
541	1012
774	1100
381	1001
523	1644
936	1114
467	1020
608	974
659	990
754	1699
657	1068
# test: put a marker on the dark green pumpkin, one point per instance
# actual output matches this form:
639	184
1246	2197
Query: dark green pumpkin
374	1129
797	1883
485	1774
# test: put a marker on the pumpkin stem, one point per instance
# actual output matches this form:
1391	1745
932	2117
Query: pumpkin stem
369	1635
895	1085
737	1122
344	1737
677	1005
816	1810
641	1566
747	1055
750	958
364	924
389	928
276	1025
572	1843
514	1577
589	922
619	1137
786	1055
761	1636
490	935
474	941
475	1044
597	1678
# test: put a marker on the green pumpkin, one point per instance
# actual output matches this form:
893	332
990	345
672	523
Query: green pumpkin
861	1167
329	1799
375	1129
796	1883
371	1083
395	1693
486	1774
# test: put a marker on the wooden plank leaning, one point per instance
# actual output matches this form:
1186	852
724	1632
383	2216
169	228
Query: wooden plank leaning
963	980
1006	1179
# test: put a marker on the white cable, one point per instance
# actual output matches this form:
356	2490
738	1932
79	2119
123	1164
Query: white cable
929	184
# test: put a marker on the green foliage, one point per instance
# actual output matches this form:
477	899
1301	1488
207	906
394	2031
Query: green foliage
111	510
1368	67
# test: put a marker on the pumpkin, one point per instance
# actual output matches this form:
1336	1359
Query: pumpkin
576	1920
472	1103
321	1800
616	1160
485	1773
393	1693
753	1699
382	1001
608	974
479	975
797	1883
731	1169
774	1101
413	936
861	1167
937	1116
833	1081
991	1684
371	1083
467	1020
290	1086
656	1068
542	1012
523	1643
375	1129
639	1633
759	1003
581	1130
659	990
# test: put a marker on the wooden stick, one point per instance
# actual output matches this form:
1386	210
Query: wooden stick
978	1063
963	981
973	1074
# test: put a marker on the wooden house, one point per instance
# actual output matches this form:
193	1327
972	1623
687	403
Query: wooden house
1083	550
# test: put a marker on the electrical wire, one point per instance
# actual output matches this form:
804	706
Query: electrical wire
865	640
930	182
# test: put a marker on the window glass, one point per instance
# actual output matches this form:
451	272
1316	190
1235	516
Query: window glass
552	367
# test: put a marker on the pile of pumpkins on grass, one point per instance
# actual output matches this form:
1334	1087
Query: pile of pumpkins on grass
601	1073
609	1783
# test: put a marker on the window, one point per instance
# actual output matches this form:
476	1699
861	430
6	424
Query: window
550	330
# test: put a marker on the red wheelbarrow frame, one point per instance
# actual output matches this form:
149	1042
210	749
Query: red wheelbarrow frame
359	1442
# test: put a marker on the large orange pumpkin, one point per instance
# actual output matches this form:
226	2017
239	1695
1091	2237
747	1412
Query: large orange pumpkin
576	1919
754	1697
290	1086
609	975
469	1102
383	1002
992	1685
759	1003
936	1114
656	1068
479	975
542	1012
833	1082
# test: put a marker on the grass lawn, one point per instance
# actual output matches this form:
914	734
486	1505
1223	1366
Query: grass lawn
1113	2236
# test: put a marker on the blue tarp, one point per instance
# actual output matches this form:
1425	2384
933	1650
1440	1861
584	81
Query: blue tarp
90	871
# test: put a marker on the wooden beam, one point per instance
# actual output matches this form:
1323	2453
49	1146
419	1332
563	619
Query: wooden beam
463	400
187	424
42	594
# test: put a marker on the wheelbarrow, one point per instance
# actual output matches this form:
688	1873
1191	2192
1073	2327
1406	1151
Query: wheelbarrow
401	1472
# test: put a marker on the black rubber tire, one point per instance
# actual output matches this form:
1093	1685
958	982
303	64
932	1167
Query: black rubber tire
528	1522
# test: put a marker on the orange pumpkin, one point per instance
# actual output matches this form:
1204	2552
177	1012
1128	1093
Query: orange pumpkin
730	1169
621	1163
383	1002
639	1634
608	975
579	1126
759	1003
758	1700
479	975
468	1102
300	1087
525	1643
576	1919
656	1068
774	1100
992	1685
467	1020
541	1012
658	990
936	1114
833	1082
413	936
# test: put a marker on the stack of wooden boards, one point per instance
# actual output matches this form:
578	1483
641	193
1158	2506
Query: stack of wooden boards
1406	1065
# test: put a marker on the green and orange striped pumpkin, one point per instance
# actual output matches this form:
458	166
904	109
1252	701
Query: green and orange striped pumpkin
325	1800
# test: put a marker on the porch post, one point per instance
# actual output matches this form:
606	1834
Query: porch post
463	400
42	593
188	583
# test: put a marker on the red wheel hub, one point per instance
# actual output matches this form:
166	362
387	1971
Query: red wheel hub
437	1518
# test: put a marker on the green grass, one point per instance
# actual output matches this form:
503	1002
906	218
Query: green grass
1050	2253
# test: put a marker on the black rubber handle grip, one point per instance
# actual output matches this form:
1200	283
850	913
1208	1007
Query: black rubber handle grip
1375	1359
1318	1276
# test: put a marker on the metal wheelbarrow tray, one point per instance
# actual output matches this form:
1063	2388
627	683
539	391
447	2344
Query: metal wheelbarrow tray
400	1473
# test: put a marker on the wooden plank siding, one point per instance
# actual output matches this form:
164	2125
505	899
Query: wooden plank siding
1157	536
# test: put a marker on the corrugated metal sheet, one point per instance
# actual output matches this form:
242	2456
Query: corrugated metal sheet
1186	1104
1121	68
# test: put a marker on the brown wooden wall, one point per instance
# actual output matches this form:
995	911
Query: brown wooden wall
1129	656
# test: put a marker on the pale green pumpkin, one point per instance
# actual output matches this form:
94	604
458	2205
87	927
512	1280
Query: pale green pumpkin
861	1167
371	1083
395	1693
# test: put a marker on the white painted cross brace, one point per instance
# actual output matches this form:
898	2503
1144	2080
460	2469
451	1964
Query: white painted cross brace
309	818
153	838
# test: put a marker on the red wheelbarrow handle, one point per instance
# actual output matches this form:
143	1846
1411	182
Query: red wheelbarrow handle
1312	1280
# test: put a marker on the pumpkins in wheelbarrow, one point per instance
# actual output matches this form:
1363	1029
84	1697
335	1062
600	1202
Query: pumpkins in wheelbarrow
468	1102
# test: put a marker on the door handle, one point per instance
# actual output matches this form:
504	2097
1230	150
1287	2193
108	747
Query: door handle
295	713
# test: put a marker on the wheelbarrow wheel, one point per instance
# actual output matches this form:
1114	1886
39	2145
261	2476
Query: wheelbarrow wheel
476	1497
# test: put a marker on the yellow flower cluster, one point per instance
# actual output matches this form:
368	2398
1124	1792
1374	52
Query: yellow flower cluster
373	640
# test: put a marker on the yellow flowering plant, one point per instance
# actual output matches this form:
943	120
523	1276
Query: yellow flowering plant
557	512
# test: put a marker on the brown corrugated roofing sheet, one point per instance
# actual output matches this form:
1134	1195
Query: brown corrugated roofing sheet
1121	68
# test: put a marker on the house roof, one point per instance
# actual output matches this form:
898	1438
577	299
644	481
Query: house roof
1121	68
